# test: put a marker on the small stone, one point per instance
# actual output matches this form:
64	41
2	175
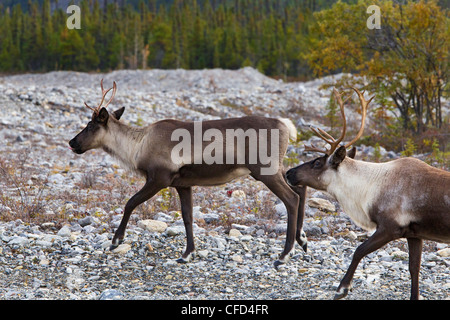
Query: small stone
203	253
400	255
239	194
122	248
246	238
111	294
64	232
20	241
302	270
444	252
153	225
237	258
47	225
85	221
235	233
321	204
174	230
351	235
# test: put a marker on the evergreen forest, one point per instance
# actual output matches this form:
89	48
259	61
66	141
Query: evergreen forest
405	61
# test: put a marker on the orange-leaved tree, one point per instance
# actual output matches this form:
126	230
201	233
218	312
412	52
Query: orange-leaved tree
405	59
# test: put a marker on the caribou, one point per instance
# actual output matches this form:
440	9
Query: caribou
403	198
183	154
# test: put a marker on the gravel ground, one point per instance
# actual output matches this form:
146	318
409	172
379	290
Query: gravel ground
40	264
59	210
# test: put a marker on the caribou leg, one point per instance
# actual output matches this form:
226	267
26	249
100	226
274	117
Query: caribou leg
185	194
376	241
147	191
277	184
415	255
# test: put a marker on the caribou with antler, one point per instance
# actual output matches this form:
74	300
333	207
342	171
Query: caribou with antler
154	153
403	198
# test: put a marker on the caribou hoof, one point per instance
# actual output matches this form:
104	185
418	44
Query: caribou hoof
115	244
185	260
182	260
305	247
277	263
341	293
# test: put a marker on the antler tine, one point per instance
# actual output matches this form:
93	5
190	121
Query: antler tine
364	105
325	136
104	93
113	93
314	148
319	133
341	103
93	109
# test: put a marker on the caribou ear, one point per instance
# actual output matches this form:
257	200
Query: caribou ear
103	116
338	156
118	113
352	153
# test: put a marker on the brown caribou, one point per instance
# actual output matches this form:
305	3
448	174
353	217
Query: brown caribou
182	154
403	198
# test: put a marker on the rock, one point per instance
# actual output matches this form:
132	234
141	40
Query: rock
351	235
196	212
235	233
203	253
43	243
280	209
161	216
237	258
152	225
85	221
401	255
321	204
210	217
238	194
444	252
246	238
220	243
56	178
122	248
47	225
19	241
111	294
240	227
175	230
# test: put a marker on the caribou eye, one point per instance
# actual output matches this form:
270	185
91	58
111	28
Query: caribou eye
317	164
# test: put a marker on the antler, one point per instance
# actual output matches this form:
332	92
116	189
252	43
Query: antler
328	138
364	105
325	135
104	93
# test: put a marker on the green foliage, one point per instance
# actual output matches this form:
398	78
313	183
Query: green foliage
331	114
189	34
406	59
409	149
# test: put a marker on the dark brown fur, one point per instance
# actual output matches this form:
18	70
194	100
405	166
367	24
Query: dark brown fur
404	198
148	152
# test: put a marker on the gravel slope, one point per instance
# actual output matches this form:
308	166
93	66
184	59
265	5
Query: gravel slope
59	210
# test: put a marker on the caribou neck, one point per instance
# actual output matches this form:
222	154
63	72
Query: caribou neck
124	143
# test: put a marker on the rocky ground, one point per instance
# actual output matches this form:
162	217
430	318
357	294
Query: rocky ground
59	210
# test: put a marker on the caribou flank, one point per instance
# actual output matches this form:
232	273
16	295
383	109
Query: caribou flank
403	198
147	151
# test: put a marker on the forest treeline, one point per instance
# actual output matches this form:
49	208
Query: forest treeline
405	62
192	34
